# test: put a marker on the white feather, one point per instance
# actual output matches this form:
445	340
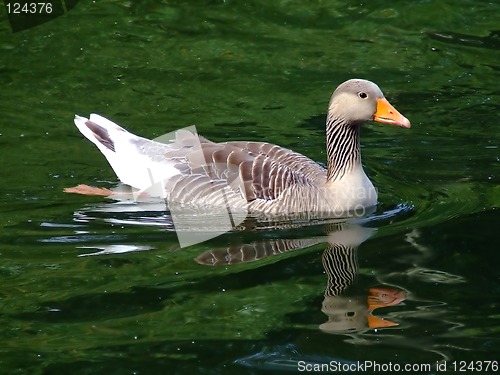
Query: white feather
130	159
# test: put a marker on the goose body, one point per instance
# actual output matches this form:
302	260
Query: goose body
260	177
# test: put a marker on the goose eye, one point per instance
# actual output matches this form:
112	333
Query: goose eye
363	95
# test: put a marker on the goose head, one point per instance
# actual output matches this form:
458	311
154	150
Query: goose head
357	101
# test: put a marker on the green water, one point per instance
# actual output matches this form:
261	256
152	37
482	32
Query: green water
256	71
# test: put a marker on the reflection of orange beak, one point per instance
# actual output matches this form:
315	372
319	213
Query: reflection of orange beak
377	322
387	114
383	297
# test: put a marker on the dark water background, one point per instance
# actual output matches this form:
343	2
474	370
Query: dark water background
258	70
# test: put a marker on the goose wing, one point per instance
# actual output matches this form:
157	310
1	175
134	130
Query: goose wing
248	171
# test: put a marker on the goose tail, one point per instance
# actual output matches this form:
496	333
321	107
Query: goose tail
127	153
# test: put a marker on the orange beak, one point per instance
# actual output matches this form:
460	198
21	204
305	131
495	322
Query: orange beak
387	114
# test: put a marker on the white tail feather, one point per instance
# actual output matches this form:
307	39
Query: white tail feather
129	159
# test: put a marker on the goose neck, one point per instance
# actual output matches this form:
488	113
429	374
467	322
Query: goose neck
343	149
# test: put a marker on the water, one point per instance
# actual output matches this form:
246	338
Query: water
90	286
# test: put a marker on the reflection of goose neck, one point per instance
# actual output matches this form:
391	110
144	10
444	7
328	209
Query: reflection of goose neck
341	267
340	257
345	314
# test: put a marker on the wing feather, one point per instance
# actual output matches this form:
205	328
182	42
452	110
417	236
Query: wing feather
249	170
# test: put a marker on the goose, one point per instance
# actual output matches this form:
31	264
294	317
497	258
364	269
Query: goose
259	177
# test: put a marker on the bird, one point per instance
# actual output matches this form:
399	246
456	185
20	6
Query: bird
259	177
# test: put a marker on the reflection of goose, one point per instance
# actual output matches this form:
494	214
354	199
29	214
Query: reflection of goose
257	176
346	313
